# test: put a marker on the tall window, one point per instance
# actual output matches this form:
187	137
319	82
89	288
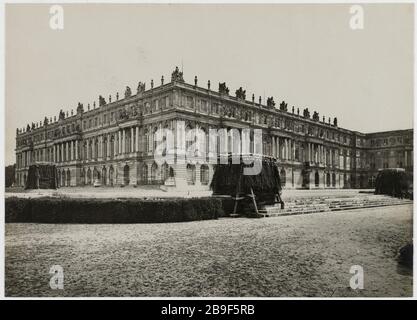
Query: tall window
190	174
204	174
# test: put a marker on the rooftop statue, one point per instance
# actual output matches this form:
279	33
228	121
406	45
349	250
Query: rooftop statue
141	87
61	115
45	121
80	108
270	102
101	101
223	89
241	94
177	75
306	113
335	122
283	106
316	116
128	92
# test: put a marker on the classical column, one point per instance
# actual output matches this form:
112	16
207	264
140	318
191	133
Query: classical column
76	149
278	149
100	147
293	150
285	148
88	149
92	149
114	145
119	142
273	146
331	157
137	139
108	146
132	140
289	149
320	154
124	142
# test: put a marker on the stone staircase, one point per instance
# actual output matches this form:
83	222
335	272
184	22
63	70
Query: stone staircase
303	205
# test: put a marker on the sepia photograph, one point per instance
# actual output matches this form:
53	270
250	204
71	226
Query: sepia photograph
228	150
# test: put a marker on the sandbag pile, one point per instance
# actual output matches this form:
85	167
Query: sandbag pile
226	178
393	182
42	176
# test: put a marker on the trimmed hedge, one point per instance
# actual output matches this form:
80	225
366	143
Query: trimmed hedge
72	210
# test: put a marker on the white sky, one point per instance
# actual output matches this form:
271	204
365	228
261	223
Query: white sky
306	55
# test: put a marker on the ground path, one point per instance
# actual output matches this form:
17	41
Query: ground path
304	255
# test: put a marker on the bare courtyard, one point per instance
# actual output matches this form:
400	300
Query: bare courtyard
304	255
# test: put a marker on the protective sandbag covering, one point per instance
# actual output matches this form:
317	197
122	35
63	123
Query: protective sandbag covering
226	178
42	176
393	182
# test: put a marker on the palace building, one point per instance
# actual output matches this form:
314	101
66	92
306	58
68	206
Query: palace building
113	143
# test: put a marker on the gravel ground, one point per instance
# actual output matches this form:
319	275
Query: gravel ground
303	255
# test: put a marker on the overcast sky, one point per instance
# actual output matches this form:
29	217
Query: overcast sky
306	55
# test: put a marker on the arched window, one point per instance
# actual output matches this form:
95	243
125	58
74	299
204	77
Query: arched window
190	138
111	147
96	149
104	148
204	174
111	175
317	179
164	172
190	174
104	176
89	176
68	178
58	178
283	177
144	173
328	179
63	180
333	179
82	177
126	177
154	172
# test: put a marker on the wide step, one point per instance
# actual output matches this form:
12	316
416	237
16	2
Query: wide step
327	204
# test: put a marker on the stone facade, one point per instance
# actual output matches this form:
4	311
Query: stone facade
113	144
